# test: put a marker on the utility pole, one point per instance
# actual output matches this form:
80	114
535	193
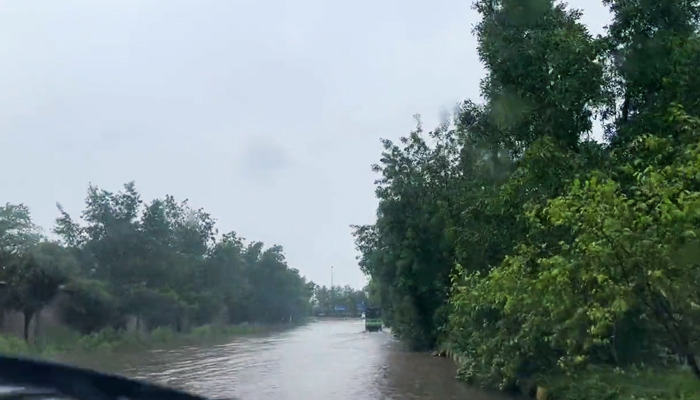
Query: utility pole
332	293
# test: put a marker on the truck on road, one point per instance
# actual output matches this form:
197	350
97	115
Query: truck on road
373	319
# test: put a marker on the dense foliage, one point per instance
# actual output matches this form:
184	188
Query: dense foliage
160	263
524	245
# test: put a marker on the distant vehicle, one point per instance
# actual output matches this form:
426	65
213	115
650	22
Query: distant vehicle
373	319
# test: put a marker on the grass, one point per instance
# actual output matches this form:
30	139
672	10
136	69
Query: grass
61	340
602	383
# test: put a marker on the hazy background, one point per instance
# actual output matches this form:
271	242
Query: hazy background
266	113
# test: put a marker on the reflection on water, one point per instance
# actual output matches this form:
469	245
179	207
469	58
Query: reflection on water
326	360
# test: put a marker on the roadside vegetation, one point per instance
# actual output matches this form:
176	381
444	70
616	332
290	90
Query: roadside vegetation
61	341
537	256
130	274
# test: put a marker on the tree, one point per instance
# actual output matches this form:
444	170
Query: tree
30	286
17	231
159	262
563	252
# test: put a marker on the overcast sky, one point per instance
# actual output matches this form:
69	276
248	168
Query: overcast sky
267	114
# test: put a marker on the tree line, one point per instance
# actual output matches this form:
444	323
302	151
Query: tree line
339	300
161	263
511	236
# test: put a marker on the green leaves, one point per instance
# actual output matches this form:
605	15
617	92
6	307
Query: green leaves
574	295
17	231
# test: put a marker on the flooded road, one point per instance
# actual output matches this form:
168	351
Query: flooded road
325	360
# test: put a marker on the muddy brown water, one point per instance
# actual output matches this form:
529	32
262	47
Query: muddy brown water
322	360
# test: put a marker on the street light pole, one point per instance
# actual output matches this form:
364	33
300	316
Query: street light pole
332	292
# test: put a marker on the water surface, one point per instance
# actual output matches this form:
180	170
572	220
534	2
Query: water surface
324	360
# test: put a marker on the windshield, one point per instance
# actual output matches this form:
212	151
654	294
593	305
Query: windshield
27	378
301	200
22	393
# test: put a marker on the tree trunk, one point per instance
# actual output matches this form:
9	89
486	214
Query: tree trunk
37	320
28	314
693	363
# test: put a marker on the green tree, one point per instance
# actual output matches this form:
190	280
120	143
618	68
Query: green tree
17	231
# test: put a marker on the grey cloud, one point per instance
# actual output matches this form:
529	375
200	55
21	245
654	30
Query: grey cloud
262	159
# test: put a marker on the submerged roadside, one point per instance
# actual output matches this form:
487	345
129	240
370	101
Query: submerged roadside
62	344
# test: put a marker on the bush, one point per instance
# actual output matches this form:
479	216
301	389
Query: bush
13	345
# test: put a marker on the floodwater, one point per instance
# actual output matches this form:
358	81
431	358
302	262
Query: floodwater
322	360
